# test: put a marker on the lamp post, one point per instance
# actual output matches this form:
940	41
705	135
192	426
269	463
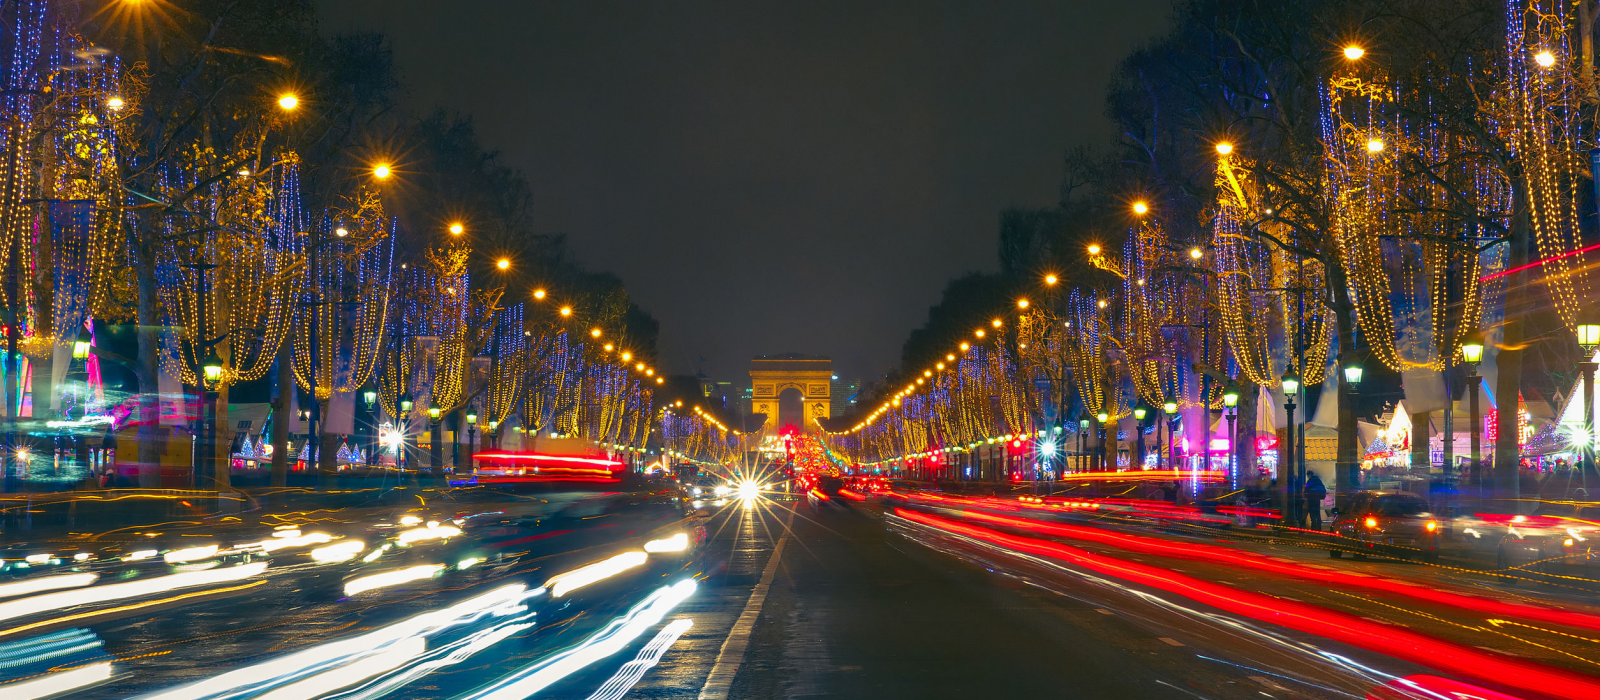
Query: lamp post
1349	476
472	436
369	447
435	440
402	423
211	375
1105	466
493	434
1588	340
1170	410
1138	432
1083	440
1230	408
1291	494
1472	354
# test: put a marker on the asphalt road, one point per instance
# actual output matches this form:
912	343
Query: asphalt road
782	598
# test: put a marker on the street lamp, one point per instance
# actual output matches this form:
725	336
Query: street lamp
1230	408
1139	413
1353	372
1291	387
1589	340
80	345
211	368
1472	354
406	403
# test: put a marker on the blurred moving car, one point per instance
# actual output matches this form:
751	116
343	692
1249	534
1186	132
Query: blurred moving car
1393	523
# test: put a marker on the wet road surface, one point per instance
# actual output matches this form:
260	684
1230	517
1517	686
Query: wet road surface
591	596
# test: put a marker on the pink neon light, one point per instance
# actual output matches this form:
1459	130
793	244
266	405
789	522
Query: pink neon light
1537	263
547	458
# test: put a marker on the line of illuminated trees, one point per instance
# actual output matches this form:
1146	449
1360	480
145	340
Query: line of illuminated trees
219	195
1345	195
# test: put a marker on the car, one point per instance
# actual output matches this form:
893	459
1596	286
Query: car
1560	534
1394	523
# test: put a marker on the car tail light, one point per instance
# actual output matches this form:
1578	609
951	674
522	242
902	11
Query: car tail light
1432	526
1371	522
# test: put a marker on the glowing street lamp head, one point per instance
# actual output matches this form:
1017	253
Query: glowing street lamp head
996	323
965	347
341	232
951	357
1022	303
456	229
1544	58
503	263
1051	279
1196	253
610	347
1140	207
382	171
538	293
566	311
1354	53
1375	145
594	332
979	333
287	102
1094	248
1224	148
627	356
115	104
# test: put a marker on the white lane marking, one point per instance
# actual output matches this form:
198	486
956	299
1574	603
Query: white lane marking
720	680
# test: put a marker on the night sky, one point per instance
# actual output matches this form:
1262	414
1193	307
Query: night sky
772	177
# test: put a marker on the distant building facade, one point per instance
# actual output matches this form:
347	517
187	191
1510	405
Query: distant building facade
792	390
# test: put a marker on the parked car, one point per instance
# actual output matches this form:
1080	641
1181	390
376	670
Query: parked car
1393	523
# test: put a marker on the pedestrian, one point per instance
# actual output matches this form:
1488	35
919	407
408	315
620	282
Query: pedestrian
1315	492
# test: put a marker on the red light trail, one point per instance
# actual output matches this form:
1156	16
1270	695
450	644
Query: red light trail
1207	552
1537	263
1309	619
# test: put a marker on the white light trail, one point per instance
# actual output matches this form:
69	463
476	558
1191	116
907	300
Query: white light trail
500	602
561	584
113	591
350	674
630	673
614	637
675	543
448	655
344	550
179	556
391	578
48	583
56	683
433	531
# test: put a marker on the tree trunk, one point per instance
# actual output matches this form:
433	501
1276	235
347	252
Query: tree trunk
436	449
1508	363
222	444
1420	460
44	292
327	447
1244	432
148	371
1347	461
281	417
